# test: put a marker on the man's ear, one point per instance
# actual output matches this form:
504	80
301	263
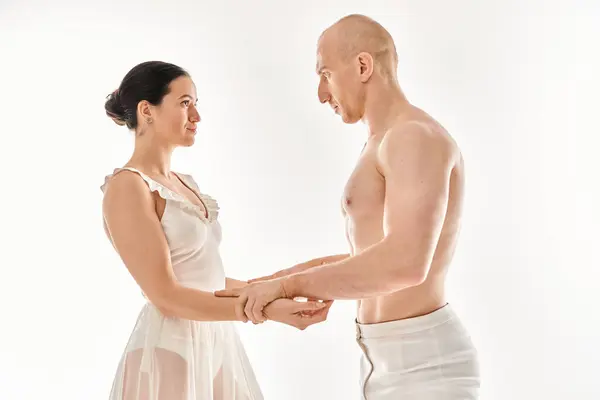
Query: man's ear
365	65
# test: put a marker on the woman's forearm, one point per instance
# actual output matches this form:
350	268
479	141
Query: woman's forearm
188	303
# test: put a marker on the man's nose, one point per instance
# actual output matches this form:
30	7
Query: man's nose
323	93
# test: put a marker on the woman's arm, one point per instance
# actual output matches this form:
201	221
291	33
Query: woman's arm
137	235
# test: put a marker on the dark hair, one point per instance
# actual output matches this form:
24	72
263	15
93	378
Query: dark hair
146	81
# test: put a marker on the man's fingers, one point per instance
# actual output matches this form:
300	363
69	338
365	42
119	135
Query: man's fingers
248	309
239	308
228	292
257	311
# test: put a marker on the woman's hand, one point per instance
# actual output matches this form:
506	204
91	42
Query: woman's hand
298	314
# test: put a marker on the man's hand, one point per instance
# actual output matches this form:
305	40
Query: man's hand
300	315
255	297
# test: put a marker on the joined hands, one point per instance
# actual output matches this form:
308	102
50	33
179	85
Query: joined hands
266	298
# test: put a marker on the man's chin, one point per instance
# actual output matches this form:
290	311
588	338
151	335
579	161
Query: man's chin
349	120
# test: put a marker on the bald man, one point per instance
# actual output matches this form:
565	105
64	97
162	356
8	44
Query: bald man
402	206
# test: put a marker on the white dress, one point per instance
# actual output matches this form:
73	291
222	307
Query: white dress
178	359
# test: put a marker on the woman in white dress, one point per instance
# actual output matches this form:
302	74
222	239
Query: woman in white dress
184	345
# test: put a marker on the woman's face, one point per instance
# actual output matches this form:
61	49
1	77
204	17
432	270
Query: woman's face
174	121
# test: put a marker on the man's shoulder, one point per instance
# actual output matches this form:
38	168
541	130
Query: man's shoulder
417	134
419	141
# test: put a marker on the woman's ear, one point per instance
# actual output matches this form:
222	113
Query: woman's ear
144	110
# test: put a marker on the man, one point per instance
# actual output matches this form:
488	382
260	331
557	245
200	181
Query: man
402	206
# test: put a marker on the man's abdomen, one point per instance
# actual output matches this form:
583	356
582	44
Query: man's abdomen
406	303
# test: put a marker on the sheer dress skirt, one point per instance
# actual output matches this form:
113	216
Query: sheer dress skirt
177	359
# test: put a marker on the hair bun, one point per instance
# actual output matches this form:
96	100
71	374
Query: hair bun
114	109
148	81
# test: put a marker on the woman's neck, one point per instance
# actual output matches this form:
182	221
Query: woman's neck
155	159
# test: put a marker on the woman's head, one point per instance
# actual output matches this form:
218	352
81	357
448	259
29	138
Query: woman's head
158	99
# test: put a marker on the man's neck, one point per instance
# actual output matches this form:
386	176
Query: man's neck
385	104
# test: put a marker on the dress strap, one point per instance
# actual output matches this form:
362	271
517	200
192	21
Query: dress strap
152	184
211	207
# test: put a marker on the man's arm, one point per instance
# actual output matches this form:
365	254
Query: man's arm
318	262
416	164
231	283
302	267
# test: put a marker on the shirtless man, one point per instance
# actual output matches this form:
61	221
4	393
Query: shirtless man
402	206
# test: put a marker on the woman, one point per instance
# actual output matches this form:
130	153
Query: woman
184	344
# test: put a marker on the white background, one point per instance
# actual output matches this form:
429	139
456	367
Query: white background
516	83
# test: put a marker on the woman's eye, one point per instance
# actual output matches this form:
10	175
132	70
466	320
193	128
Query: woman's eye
186	103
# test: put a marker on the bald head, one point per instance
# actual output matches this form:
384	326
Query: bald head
355	34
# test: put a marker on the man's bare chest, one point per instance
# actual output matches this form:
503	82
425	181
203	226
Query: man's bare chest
364	192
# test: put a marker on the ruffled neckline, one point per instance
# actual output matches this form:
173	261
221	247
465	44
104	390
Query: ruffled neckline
210	204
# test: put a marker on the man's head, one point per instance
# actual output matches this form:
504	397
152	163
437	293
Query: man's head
354	53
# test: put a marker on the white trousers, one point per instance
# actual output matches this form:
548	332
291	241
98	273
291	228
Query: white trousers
430	357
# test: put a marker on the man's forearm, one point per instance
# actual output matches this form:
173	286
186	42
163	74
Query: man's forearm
377	271
316	262
231	283
319	262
